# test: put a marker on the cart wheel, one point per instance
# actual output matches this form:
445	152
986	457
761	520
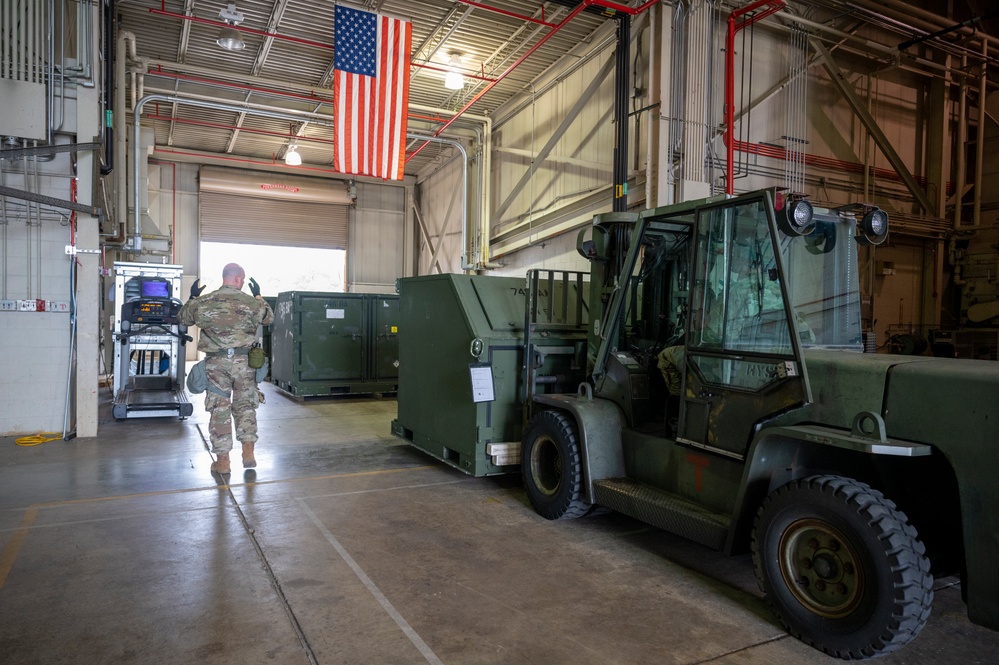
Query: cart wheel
551	465
841	567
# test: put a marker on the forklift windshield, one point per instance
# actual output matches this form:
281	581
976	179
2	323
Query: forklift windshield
737	304
824	283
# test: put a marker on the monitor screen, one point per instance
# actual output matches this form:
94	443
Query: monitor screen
155	289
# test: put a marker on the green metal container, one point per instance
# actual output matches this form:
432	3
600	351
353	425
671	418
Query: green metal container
454	327
326	344
265	335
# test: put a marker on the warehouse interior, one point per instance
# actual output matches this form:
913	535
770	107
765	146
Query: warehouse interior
150	142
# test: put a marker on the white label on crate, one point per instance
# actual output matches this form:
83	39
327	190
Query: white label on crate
482	382
335	313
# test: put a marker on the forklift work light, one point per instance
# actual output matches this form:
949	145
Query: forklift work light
873	227
795	217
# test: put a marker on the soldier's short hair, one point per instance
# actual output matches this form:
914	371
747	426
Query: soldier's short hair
232	270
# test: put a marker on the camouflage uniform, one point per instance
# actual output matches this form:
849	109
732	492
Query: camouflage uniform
228	319
670	363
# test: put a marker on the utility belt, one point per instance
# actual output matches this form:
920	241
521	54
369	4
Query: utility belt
257	358
227	353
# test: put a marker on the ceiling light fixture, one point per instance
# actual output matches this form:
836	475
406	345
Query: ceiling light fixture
291	156
229	38
454	79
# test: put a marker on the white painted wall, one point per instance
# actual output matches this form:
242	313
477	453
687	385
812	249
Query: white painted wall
38	381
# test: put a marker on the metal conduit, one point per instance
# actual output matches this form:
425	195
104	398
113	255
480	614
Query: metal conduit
909	10
768	7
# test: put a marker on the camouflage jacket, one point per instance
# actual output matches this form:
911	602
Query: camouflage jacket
228	318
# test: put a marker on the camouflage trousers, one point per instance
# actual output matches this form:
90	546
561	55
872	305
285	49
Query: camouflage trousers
238	379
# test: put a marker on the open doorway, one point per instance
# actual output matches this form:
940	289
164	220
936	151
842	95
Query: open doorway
276	268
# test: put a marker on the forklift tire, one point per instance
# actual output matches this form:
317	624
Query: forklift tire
841	567
552	467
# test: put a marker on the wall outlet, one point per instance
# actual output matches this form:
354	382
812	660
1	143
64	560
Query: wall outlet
56	306
8	305
27	305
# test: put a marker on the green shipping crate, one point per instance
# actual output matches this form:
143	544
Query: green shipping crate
456	326
335	343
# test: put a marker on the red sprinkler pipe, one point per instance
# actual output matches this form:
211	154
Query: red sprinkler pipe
772	6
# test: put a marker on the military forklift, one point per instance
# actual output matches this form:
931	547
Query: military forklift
725	397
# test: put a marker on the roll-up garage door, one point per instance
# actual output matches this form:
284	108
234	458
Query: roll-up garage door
259	208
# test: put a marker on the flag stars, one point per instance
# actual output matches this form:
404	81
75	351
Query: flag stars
356	45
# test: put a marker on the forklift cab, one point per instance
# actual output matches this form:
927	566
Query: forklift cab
705	287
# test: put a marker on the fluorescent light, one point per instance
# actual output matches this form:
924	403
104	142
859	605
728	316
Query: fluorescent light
454	79
291	157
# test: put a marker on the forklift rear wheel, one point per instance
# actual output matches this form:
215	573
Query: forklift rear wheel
841	567
552	468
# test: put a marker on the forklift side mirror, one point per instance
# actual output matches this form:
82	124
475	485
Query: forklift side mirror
588	248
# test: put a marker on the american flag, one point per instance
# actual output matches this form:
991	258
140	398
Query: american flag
370	92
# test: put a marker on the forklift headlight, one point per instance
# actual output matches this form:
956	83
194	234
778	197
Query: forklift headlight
795	218
873	227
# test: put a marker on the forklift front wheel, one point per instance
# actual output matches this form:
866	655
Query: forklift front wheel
841	567
552	467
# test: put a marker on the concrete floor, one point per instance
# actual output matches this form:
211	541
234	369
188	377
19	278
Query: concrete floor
347	545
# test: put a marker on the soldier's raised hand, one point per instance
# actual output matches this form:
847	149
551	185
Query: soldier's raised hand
196	288
254	287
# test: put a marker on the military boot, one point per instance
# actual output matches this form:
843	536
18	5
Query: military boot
221	465
249	461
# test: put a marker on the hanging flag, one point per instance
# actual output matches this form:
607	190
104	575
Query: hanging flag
370	92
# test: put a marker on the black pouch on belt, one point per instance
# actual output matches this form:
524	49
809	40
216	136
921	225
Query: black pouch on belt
256	358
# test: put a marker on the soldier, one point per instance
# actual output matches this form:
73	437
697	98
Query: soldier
228	319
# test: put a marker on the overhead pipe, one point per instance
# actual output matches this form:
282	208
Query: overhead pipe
173	99
485	168
910	11
633	11
125	39
218	125
961	148
108	82
734	25
867	44
136	245
945	31
980	138
828	163
157	70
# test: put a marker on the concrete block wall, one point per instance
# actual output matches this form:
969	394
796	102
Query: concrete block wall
35	367
34	265
37	379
